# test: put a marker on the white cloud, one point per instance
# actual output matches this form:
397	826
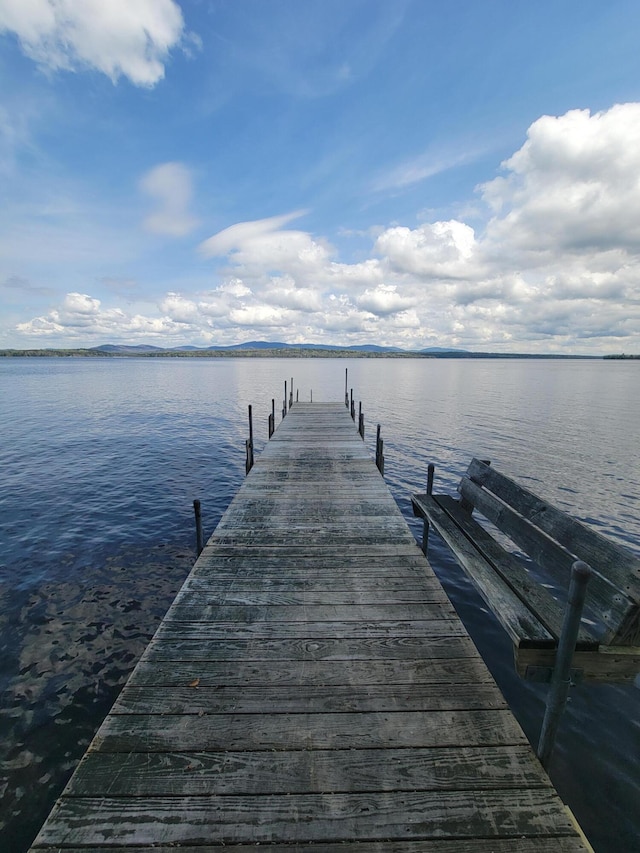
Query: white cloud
384	300
573	186
170	186
556	268
130	38
438	249
244	235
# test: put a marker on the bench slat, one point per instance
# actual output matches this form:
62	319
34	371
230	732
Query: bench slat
514	616
528	589
612	561
604	602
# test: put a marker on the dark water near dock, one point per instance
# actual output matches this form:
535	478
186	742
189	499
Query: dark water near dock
101	460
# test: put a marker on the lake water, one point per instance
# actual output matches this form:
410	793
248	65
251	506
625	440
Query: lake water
102	458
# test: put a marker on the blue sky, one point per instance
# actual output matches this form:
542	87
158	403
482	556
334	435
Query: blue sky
400	172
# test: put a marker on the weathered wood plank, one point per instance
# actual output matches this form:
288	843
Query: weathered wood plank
309	698
264	597
609	663
309	630
309	771
165	732
513	813
311	648
327	673
286	581
202	612
539	844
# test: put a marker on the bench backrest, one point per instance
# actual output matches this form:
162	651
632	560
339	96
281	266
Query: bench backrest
554	540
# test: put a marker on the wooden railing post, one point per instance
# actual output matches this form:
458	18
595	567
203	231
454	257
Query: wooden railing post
249	445
272	418
346	387
361	421
353	407
425	522
379	452
199	536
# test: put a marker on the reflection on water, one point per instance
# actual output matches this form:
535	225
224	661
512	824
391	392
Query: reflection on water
101	460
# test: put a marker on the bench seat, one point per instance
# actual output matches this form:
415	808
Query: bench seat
541	539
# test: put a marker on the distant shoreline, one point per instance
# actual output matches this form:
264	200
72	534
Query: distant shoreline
289	352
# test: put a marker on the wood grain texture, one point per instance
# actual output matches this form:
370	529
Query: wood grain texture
311	688
322	817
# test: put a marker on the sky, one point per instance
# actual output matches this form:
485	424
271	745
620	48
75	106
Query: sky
406	173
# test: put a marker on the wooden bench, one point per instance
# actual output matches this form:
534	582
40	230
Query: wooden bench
520	562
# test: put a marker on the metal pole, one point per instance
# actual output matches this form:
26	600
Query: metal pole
199	536
561	678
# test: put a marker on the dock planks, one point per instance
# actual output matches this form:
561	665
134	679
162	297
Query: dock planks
311	688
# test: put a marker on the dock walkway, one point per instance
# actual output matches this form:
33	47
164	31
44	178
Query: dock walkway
311	688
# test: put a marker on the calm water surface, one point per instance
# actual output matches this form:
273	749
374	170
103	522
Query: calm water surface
102	458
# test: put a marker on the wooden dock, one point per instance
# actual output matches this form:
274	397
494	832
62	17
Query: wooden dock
311	688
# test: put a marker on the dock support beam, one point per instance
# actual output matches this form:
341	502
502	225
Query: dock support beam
561	678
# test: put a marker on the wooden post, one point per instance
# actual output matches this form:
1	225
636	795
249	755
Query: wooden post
425	524
353	407
297	392
379	451
249	445
272	418
291	394
360	421
561	678
284	405
199	536
346	387
430	473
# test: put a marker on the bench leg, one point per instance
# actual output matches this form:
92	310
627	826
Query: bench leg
425	536
561	678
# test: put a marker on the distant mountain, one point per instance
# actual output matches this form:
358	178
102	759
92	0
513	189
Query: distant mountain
282	345
125	348
129	349
443	349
